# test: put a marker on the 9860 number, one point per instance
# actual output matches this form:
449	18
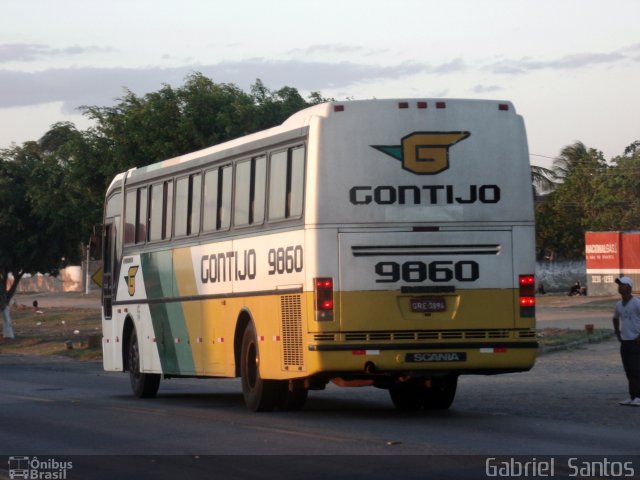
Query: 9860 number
285	260
417	272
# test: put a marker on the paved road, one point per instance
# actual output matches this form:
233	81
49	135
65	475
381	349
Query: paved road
567	405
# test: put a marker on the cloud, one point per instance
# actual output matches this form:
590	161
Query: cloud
454	66
568	62
330	48
486	88
101	86
30	52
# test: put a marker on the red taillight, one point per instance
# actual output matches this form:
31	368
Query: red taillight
527	301
324	298
338	108
403	104
422	104
441	105
503	107
527	292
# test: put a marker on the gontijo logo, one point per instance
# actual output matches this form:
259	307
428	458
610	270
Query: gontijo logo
131	280
424	153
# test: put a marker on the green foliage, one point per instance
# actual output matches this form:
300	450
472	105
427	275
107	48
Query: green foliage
139	131
589	195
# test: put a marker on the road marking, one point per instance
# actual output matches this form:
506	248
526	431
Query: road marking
25	397
300	434
148	411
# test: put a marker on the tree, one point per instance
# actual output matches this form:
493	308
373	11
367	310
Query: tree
567	212
141	130
38	223
541	179
623	186
589	194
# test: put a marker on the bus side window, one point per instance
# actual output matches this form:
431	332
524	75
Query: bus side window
155	212
141	215
250	189
195	200
296	187
130	217
160	209
258	189
224	198
286	184
182	206
188	197
167	209
210	203
243	193
278	186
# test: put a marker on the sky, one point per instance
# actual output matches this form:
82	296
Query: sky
571	67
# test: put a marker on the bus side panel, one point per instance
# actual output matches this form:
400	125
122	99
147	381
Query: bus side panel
262	281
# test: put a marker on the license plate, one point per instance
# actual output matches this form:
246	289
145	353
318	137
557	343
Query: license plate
428	304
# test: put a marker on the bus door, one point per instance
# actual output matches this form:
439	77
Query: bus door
110	259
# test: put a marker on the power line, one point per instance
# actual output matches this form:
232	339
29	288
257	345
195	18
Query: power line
543	156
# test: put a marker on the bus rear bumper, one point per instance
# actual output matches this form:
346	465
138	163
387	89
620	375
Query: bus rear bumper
485	358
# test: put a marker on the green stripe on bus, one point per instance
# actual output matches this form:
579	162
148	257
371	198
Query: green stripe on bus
168	319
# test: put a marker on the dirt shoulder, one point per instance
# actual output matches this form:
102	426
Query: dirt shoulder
66	324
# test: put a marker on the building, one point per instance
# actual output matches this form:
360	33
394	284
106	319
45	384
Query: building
608	256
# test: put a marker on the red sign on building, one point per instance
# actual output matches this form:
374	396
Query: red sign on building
610	255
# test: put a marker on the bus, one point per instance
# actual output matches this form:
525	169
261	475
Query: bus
384	243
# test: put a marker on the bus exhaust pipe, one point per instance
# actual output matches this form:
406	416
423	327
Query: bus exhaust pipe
370	368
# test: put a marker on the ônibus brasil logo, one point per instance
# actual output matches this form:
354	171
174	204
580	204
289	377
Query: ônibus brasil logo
28	468
424	153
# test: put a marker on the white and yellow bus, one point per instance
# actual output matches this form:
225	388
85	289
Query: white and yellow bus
384	242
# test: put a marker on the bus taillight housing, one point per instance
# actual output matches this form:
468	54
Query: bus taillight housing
323	294
527	285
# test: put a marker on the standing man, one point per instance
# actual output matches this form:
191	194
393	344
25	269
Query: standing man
626	324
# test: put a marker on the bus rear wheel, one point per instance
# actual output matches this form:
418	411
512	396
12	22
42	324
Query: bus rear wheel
406	395
259	395
144	385
441	393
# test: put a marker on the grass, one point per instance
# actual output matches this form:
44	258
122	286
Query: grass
551	339
69	332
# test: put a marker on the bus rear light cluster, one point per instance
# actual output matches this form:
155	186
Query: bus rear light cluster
323	293
527	284
421	105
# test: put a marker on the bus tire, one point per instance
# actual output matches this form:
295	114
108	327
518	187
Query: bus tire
406	395
259	395
144	385
441	393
